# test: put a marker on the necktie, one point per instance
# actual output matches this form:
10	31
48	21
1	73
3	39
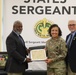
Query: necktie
21	39
69	40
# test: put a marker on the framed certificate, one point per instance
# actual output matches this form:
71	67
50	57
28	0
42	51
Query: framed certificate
38	54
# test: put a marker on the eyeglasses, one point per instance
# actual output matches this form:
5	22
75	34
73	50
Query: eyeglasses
71	24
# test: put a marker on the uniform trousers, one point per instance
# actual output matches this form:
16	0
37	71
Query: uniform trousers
56	71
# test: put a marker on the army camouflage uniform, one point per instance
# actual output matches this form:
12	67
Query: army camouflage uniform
56	50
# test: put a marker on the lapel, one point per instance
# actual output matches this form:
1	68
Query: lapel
16	37
74	38
73	41
67	37
21	39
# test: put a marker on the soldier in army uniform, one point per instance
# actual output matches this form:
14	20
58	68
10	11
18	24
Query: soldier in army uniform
56	52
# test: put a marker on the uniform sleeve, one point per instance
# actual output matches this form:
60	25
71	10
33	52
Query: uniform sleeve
46	47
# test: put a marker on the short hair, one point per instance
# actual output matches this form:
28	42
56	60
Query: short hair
17	22
73	22
52	26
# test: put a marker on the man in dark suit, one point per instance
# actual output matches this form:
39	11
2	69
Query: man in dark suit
71	44
17	52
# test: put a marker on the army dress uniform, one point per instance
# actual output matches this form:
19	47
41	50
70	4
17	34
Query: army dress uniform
56	50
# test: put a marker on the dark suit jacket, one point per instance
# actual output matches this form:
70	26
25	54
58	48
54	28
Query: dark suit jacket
71	57
16	54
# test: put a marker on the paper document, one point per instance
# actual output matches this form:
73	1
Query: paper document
38	54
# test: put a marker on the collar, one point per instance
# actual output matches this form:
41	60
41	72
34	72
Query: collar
16	33
73	33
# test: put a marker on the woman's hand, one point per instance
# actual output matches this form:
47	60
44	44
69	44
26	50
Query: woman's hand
48	61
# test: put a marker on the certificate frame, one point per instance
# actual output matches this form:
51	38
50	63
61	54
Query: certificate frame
38	54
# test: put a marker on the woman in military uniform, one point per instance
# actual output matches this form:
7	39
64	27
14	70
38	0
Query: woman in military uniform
56	52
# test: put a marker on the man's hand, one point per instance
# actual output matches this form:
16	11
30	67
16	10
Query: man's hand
28	60
28	50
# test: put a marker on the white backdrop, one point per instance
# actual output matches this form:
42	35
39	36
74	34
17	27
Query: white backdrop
54	14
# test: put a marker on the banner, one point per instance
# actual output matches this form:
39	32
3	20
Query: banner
32	13
37	16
